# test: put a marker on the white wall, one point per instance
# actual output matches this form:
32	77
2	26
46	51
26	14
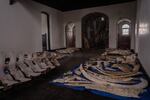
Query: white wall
56	27
20	26
114	12
143	33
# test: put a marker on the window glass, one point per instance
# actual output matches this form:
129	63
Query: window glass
125	29
125	26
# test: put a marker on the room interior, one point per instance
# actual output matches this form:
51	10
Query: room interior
74	49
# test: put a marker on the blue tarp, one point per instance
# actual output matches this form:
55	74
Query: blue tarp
144	96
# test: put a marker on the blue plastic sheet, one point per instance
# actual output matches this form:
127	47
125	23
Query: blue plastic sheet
144	96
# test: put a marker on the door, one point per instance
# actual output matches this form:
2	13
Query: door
45	31
124	35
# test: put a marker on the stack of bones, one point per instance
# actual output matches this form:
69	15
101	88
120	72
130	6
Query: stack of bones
20	68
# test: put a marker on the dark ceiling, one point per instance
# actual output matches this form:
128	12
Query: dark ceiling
67	5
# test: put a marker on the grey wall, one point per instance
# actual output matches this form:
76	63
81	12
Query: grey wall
20	26
143	33
114	12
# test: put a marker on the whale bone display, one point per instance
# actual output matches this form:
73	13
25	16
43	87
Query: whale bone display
115	72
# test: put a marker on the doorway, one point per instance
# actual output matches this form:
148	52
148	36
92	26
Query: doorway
45	31
124	34
70	35
95	31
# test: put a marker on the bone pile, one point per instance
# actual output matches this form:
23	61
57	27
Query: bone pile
17	68
115	71
68	50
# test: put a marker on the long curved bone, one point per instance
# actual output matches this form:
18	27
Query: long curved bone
97	80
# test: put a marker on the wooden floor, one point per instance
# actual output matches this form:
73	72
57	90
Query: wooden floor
40	89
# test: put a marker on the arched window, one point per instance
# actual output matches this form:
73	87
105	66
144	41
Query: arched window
95	30
125	29
70	34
